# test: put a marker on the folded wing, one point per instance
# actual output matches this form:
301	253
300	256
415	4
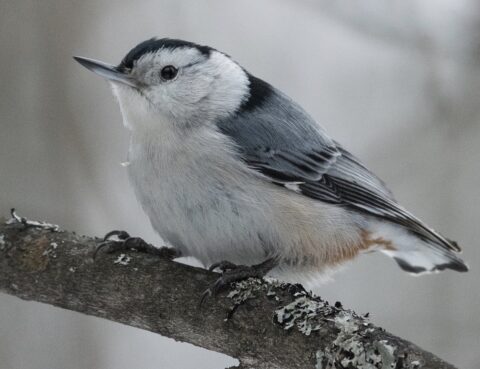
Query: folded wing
285	144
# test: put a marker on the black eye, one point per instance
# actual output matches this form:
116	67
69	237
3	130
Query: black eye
169	72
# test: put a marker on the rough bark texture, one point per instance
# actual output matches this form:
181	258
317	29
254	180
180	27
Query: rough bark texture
263	324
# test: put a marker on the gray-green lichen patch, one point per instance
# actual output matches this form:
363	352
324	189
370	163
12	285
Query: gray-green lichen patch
353	346
244	290
355	343
305	312
301	313
415	364
50	251
351	349
122	259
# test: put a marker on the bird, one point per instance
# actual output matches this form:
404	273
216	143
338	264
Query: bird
233	172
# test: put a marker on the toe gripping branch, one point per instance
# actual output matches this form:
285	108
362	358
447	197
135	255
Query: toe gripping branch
234	273
117	240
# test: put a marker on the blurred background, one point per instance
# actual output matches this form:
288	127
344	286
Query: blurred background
398	83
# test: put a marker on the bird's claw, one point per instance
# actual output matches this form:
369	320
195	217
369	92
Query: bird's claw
234	273
122	235
223	266
126	242
216	287
205	295
112	245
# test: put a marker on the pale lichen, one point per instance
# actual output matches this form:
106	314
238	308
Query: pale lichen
350	349
50	251
247	289
122	259
244	290
353	346
2	241
301	313
15	219
305	312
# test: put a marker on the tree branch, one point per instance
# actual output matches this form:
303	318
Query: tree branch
263	324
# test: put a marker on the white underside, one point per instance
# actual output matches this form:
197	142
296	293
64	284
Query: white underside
214	208
201	198
211	206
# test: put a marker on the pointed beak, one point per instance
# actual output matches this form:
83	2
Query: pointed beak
108	71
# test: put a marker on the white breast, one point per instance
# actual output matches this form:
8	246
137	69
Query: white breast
193	195
203	200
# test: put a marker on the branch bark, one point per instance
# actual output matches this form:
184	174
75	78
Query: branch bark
263	324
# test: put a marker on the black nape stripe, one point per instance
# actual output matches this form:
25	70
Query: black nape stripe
154	44
259	92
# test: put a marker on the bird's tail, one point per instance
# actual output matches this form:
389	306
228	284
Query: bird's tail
427	260
416	255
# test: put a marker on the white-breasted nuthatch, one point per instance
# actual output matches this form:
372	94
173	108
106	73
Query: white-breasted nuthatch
227	167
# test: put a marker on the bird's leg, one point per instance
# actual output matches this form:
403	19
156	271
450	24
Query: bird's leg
234	273
125	242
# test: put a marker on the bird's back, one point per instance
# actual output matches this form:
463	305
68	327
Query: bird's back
279	139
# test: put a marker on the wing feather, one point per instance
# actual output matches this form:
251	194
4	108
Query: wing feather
285	144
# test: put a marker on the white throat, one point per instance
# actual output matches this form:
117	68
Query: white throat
213	89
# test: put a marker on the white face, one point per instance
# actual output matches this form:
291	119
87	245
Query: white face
204	88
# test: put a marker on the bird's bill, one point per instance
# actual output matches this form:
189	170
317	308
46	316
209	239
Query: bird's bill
105	70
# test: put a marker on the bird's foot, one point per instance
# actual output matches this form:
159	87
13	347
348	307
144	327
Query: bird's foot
120	241
234	273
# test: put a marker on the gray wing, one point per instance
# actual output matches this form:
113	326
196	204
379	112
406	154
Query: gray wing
280	140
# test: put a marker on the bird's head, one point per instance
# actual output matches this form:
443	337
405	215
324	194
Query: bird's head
175	82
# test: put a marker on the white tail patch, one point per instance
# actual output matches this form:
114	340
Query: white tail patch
413	254
418	261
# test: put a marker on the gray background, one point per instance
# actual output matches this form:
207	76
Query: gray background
396	82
